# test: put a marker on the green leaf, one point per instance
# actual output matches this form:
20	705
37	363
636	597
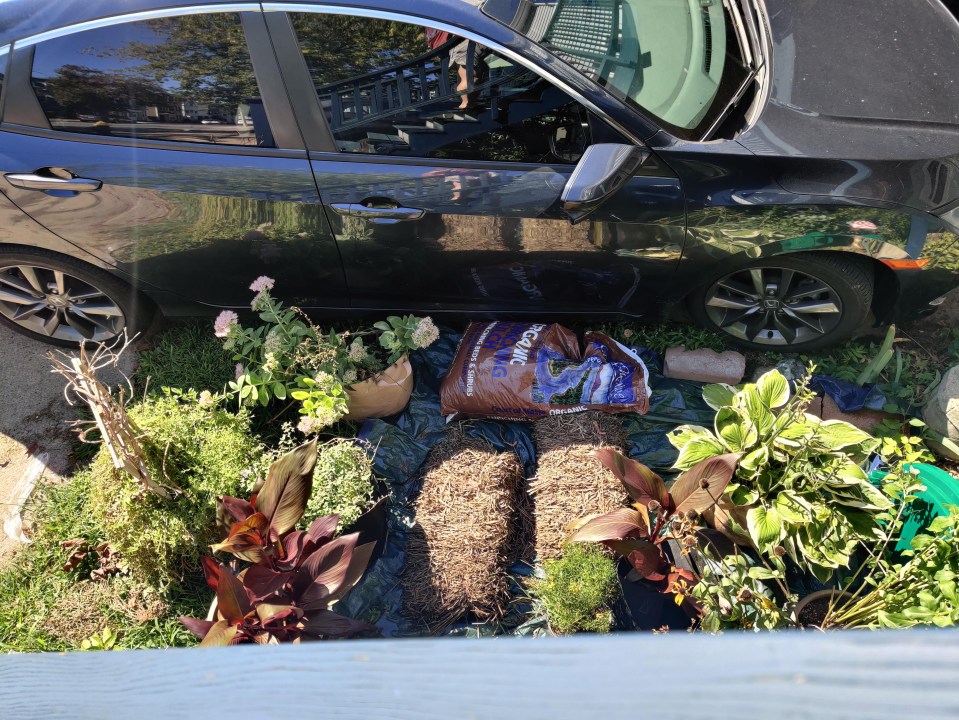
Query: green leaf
220	634
755	459
279	391
680	436
385	327
287	488
762	573
773	389
697	450
838	434
765	526
792	509
736	431
719	395
742	496
756	410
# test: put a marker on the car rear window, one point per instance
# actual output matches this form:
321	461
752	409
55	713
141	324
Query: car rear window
185	79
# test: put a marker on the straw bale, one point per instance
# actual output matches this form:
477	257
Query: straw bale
570	483
467	519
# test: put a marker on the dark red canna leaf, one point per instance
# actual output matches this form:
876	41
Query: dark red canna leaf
327	623
233	602
645	557
248	539
297	546
701	487
642	484
616	525
287	488
323	528
198	627
211	569
358	563
326	568
221	633
237	508
263	582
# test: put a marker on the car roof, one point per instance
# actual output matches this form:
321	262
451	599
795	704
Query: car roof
26	18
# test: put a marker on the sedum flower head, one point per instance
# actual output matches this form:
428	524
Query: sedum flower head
425	333
206	399
262	283
224	323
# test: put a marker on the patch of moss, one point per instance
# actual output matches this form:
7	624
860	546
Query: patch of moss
579	590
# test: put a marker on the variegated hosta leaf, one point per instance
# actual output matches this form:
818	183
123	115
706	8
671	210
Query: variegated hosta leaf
680	436
719	395
765	526
735	430
756	410
773	389
697	450
838	434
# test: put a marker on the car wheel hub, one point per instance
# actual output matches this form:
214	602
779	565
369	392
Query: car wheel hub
52	303
773	306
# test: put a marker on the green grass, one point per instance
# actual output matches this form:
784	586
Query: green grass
665	335
579	590
185	356
44	608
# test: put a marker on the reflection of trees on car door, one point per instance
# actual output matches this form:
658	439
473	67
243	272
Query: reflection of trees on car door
446	207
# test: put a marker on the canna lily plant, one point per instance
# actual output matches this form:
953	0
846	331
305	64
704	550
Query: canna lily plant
295	576
639	533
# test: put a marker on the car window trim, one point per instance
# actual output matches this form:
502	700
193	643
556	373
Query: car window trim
5	56
281	7
248	150
27	112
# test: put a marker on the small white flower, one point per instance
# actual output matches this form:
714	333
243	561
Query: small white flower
426	333
357	351
273	342
349	377
224	323
206	399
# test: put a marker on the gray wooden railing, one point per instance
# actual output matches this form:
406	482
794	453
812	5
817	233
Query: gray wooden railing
899	675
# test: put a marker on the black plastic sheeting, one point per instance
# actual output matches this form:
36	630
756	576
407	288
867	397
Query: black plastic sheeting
399	446
849	396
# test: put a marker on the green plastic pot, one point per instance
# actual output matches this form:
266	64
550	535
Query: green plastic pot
941	489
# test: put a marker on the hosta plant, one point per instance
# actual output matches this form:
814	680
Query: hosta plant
638	533
294	577
799	487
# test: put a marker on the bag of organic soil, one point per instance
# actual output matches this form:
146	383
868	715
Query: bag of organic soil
524	371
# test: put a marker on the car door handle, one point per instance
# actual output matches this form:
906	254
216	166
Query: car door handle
32	181
397	212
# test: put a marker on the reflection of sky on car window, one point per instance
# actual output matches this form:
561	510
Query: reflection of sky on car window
96	49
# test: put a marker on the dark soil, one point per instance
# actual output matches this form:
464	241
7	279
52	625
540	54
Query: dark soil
814	613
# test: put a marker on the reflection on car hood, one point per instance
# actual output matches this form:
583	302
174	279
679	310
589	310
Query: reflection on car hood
875	81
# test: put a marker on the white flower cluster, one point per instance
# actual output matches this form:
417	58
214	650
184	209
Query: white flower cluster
357	351
425	333
224	323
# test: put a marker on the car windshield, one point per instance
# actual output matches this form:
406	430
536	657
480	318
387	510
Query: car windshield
677	60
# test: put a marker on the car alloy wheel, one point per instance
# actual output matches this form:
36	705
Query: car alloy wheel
774	306
55	304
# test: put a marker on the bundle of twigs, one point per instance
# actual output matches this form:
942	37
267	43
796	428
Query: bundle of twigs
466	529
570	483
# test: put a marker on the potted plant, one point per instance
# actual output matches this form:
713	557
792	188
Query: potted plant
331	375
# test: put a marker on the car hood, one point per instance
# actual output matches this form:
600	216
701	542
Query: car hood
870	86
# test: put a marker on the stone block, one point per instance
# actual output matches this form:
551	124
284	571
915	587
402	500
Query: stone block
941	412
706	366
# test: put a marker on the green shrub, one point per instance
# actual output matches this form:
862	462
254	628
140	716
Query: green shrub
44	608
206	452
342	483
578	590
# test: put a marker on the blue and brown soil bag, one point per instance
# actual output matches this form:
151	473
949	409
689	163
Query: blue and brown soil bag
525	371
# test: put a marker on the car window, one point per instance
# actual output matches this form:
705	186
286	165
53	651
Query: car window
393	88
678	60
186	79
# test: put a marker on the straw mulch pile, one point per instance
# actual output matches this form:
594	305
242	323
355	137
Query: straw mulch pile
570	483
468	524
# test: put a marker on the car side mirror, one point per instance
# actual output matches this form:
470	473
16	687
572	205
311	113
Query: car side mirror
601	171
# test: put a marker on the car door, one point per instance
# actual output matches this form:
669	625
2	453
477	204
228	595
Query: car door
166	147
447	198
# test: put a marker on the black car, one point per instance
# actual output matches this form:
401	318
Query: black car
784	167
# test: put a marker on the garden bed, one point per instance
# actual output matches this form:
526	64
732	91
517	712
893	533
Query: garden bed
133	593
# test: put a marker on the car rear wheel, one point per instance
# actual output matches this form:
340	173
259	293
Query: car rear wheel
62	301
793	303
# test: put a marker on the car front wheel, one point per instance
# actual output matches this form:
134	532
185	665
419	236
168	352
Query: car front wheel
791	303
62	301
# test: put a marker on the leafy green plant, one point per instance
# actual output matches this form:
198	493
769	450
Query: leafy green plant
106	639
287	356
882	357
295	575
661	336
799	487
638	533
342	483
578	590
184	356
205	451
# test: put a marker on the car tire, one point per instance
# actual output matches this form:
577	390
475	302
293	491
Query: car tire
62	301
789	303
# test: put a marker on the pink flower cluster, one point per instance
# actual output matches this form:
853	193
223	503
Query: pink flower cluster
262	283
224	323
